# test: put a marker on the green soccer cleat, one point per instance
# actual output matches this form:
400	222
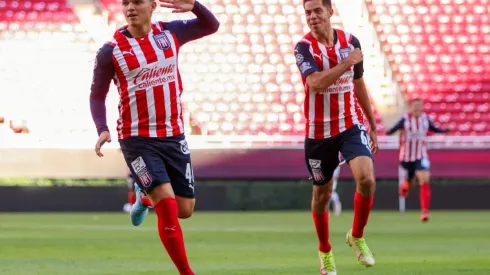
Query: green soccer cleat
364	255
327	264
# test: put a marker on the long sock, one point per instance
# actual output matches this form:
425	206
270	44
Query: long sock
362	208
321	226
171	234
146	202
131	197
425	197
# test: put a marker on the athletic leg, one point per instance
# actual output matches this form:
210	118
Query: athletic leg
147	160
356	151
321	158
423	176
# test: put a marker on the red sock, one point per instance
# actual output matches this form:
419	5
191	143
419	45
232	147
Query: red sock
171	234
425	197
146	202
362	207
321	225
131	197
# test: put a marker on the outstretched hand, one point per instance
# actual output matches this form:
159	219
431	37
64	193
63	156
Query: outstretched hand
178	6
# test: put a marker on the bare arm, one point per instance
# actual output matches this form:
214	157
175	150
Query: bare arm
319	81
363	99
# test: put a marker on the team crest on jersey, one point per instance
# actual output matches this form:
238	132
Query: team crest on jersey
162	41
343	53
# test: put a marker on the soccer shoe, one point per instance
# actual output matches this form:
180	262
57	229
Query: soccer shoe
424	217
364	255
138	211
327	264
403	191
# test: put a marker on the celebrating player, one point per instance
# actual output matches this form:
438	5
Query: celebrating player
142	60
414	127
330	62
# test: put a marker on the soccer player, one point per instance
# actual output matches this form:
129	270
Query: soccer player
142	59
330	62
414	127
335	200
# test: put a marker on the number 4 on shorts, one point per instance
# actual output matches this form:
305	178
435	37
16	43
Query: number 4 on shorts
189	173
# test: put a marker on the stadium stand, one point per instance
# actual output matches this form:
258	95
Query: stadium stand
243	80
439	50
247	82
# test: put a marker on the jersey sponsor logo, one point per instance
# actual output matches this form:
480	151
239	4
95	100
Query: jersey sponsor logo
342	85
139	167
149	77
162	41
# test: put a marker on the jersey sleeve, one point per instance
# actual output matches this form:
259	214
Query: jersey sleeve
304	59
204	24
358	68
398	126
435	129
102	76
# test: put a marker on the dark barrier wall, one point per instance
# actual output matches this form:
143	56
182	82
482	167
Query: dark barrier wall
237	196
290	164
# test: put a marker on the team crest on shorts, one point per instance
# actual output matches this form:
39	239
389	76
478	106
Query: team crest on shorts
343	53
316	170
139	167
162	41
184	147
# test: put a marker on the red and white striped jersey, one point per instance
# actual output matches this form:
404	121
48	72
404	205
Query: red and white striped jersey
413	137
149	84
336	109
145	71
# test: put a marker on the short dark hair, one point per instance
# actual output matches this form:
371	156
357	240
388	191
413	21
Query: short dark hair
326	3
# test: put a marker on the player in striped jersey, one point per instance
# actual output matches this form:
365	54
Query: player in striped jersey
330	62
142	60
414	127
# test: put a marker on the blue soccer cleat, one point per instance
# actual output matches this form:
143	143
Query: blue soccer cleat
138	212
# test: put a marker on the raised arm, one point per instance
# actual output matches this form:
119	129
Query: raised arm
396	127
435	129
103	74
204	24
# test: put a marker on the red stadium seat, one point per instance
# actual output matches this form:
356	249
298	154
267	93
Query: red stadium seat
439	50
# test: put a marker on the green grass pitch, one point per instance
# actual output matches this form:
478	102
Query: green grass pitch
255	243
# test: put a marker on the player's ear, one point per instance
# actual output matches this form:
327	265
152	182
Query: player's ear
153	5
330	12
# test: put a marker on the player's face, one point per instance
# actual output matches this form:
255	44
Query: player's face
138	12
417	108
317	15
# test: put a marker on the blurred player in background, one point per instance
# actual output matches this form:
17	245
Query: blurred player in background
335	200
142	60
330	62
414	127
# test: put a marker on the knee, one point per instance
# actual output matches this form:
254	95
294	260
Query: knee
366	181
185	213
322	195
